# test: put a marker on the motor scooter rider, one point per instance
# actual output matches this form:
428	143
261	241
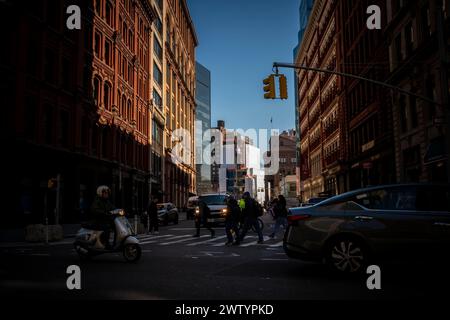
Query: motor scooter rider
100	211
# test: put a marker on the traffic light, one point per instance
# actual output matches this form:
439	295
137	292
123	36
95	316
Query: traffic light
269	87
51	183
283	87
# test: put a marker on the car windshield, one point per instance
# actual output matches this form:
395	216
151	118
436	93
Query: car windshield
213	199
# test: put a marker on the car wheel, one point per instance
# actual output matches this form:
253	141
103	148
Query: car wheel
347	255
132	252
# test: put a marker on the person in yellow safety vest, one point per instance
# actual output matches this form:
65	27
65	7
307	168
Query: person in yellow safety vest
242	204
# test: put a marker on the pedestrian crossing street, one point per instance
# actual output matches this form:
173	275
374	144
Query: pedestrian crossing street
205	240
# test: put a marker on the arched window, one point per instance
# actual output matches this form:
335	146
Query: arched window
107	95
123	107
97	86
129	112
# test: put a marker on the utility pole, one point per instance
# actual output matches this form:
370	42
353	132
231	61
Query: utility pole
443	56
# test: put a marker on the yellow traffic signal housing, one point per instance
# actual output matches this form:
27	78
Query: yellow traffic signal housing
283	87
51	183
269	87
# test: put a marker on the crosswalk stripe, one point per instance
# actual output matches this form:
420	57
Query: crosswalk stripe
154	237
150	240
182	240
253	242
207	241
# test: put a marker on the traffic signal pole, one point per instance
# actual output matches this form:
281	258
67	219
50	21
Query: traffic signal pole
277	65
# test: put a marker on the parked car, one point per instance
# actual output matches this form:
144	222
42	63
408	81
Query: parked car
217	204
190	208
350	230
167	212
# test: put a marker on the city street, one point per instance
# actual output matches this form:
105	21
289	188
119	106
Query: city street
176	266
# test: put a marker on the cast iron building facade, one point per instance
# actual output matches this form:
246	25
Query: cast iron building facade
78	106
180	41
412	34
368	107
320	112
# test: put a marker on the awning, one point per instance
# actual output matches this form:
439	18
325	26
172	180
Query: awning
436	151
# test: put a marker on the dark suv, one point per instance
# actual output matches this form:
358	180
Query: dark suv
394	221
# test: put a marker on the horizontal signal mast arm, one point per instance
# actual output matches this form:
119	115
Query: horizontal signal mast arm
348	75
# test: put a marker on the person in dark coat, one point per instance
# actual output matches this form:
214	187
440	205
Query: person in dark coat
232	219
100	211
152	211
201	219
250	214
281	213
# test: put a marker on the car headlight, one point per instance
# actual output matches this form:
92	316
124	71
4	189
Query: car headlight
224	212
197	210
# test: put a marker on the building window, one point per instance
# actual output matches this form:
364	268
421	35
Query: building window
97	44
157	75
109	13
98	7
157	49
426	21
129	111
107	96
96	93
159	26
409	38
123	107
157	100
108	53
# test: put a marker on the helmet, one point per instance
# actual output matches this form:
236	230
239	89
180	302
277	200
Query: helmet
246	195
102	189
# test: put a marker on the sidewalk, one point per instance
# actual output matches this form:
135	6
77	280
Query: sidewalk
18	235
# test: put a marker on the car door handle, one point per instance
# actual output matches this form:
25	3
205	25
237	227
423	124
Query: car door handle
363	218
441	224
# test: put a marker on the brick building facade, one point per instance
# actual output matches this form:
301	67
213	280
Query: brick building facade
85	106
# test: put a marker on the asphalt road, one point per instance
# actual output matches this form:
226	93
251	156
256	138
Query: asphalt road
176	266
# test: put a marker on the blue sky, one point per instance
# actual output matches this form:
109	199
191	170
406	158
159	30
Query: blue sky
239	41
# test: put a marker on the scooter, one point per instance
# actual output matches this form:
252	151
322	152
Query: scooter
88	240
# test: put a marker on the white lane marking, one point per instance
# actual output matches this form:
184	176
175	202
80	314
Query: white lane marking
156	240
182	240
278	244
155	237
253	242
207	241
